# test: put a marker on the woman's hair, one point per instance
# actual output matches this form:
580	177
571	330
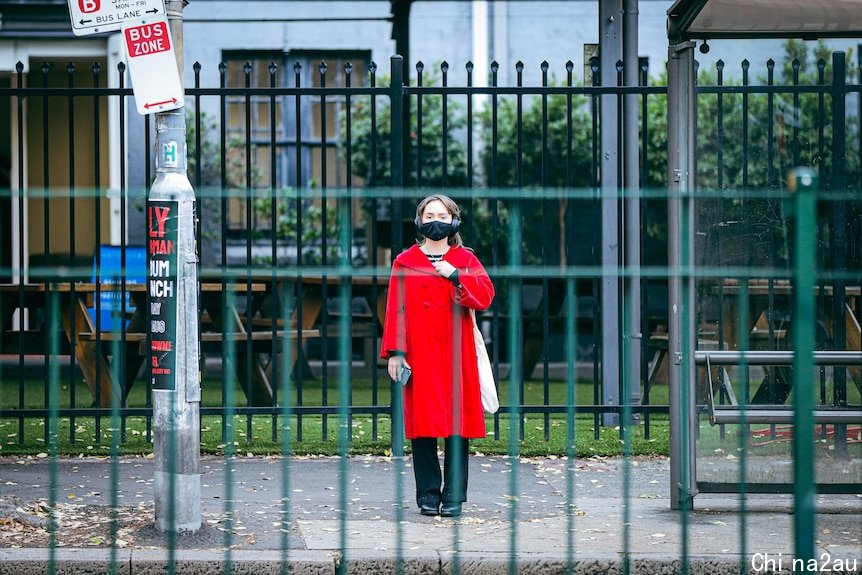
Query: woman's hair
450	206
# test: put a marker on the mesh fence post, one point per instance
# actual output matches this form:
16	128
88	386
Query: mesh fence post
803	186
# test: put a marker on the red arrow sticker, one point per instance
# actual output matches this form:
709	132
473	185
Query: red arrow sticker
149	105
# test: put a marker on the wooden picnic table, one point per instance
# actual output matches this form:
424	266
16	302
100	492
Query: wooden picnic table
305	299
93	345
757	324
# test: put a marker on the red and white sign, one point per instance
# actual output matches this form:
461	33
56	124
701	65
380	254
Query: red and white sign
153	66
148	39
96	16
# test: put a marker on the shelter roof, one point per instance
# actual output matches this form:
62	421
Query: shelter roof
807	19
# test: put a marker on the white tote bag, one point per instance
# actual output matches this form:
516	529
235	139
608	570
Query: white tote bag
487	387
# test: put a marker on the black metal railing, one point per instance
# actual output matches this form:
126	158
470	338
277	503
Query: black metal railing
279	185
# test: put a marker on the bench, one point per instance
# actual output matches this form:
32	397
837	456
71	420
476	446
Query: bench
532	319
265	325
734	413
262	342
207	338
659	343
759	335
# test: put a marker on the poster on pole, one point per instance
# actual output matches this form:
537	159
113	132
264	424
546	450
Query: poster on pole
152	63
162	278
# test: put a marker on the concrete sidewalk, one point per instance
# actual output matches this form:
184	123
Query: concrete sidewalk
518	508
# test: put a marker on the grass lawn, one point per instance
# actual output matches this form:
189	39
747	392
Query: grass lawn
315	434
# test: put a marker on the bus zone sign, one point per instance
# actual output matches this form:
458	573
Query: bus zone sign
153	66
96	16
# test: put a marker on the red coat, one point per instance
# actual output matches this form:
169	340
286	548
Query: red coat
428	319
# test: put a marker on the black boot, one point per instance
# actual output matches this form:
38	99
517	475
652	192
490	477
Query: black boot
450	510
429	509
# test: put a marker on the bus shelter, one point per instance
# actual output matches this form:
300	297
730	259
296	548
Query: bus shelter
736	351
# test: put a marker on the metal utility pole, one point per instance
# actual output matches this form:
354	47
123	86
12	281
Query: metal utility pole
173	318
610	52
401	35
632	211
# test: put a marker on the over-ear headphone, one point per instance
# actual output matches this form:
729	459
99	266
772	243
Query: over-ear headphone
456	223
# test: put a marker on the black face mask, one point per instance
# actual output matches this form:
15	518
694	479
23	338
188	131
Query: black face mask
437	230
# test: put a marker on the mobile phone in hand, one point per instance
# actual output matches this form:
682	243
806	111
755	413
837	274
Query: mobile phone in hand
406	372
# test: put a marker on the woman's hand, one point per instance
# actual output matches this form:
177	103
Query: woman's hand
444	268
396	364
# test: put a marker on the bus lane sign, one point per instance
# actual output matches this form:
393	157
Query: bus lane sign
97	16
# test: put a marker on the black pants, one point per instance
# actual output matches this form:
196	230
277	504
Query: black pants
431	486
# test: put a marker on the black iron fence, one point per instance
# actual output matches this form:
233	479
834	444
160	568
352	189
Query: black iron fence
305	186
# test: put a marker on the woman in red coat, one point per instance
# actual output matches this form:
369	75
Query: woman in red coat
428	329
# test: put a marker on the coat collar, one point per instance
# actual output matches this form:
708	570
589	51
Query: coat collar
413	258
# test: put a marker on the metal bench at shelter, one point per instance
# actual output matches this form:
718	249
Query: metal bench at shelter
734	413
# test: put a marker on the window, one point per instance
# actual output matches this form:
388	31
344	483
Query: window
315	133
